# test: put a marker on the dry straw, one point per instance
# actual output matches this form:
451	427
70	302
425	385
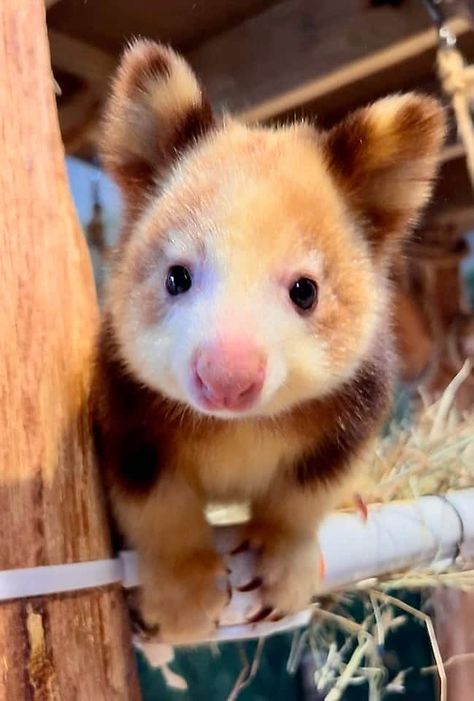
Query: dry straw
432	454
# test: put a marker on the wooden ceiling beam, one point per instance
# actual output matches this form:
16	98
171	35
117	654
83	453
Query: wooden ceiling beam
78	119
298	50
287	56
72	56
78	109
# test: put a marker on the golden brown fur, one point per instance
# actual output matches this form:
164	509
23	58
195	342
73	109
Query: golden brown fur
251	207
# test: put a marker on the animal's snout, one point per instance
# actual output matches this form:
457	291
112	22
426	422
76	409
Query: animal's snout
229	374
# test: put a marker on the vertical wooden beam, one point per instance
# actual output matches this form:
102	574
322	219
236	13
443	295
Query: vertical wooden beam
51	510
454	613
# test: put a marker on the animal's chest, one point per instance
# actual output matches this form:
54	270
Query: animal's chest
240	462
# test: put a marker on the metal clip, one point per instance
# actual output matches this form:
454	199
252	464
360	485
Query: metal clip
446	38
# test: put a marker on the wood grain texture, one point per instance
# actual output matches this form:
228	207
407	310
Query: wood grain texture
299	50
454	611
182	23
66	648
295	57
49	496
51	507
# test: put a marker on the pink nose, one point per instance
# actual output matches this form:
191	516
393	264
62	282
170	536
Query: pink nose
229	374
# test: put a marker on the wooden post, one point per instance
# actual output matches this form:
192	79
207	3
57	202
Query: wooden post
66	647
454	614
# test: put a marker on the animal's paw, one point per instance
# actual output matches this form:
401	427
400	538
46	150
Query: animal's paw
288	572
183	601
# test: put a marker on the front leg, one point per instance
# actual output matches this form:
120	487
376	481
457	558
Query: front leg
283	530
184	586
183	581
286	519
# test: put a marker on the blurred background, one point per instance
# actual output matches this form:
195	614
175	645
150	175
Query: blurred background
271	61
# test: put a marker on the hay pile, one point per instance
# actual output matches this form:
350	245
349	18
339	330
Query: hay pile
431	454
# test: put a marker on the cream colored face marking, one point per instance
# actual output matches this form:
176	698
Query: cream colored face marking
270	215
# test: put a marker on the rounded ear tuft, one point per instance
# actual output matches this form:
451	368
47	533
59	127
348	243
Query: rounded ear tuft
384	157
155	110
143	63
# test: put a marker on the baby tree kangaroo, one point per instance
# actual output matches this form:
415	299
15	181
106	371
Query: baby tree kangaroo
245	351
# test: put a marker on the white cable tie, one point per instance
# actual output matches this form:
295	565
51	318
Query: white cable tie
130	576
56	579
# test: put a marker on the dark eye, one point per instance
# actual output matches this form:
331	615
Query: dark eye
178	280
304	293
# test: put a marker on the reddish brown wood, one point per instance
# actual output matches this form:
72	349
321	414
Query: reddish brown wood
454	612
433	322
414	344
51	510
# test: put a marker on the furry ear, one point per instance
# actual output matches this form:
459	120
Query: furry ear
385	157
155	110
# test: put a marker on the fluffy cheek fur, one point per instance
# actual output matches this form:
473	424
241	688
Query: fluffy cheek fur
307	355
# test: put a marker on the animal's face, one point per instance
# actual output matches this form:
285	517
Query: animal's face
245	285
252	276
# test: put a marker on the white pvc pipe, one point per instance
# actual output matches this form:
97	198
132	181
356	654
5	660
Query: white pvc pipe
395	537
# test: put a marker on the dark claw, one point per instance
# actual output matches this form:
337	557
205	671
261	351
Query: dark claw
263	613
229	592
276	616
136	625
241	548
140	627
254	583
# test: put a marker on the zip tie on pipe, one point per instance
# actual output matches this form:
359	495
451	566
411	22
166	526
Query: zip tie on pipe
462	532
336	534
24	582
465	515
56	579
